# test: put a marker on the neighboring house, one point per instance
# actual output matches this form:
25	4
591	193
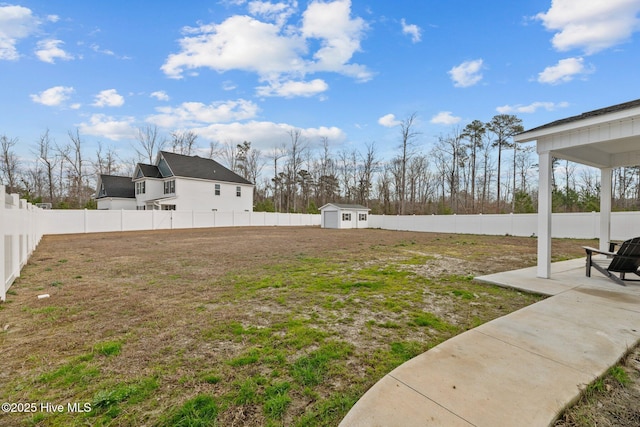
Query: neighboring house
338	215
115	192
179	182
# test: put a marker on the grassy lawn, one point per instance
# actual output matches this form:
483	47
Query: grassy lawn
244	326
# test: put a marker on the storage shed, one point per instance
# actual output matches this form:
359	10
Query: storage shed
338	215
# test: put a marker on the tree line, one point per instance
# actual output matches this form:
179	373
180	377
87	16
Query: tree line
473	169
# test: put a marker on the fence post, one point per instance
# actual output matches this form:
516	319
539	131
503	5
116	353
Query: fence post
3	230
15	240
23	238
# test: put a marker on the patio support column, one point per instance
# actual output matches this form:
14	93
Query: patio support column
544	214
605	208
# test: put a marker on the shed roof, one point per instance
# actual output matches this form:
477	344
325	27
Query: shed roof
347	206
116	186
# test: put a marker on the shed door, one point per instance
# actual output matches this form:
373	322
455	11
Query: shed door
331	219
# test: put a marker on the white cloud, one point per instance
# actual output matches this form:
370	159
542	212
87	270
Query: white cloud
564	71
16	23
292	89
53	18
265	135
96	48
277	12
190	114
108	98
228	85
591	25
274	50
445	118
261	48
160	95
389	121
339	35
413	30
531	108
50	50
109	127
466	74
53	96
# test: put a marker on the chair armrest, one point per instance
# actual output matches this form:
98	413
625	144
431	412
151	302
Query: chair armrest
591	250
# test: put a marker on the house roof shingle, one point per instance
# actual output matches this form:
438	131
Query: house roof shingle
200	167
117	186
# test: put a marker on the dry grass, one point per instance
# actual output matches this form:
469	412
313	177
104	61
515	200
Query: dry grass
244	326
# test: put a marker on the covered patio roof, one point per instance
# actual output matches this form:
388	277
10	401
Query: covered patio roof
605	138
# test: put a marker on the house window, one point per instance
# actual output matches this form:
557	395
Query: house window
170	187
346	217
164	168
217	190
362	217
238	191
140	187
141	208
168	207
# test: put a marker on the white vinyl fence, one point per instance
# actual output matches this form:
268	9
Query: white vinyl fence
22	225
92	221
579	225
19	227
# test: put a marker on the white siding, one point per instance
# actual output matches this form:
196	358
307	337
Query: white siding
112	203
199	195
154	189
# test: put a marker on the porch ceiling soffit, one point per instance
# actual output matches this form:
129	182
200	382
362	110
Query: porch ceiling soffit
601	145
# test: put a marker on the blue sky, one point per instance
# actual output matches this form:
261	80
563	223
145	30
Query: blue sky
235	70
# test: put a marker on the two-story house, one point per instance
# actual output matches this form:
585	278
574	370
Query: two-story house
179	182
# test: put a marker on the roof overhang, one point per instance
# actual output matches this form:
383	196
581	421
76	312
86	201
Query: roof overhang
603	140
345	207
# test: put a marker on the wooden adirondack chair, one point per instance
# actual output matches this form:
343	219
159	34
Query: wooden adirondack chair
625	260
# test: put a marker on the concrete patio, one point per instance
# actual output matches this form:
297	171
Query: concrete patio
522	369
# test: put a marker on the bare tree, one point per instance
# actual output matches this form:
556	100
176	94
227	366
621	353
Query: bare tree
9	163
276	154
106	161
34	183
296	151
72	154
229	155
408	135
524	162
384	190
150	142
215	151
184	142
365	174
49	162
348	163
